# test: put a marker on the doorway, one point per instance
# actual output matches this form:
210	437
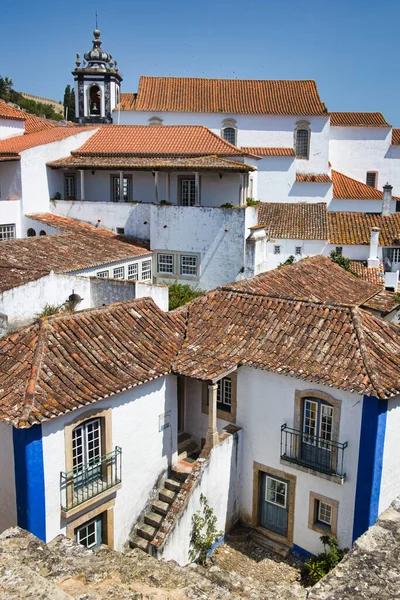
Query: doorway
274	504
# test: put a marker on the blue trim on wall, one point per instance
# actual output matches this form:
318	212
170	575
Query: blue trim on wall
301	553
370	461
29	480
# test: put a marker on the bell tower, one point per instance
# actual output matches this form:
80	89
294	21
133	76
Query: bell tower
97	85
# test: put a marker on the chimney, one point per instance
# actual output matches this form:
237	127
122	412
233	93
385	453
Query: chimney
373	260
387	200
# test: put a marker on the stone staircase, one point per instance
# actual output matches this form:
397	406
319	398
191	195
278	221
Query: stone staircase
150	524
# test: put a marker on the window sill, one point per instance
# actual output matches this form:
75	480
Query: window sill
321	529
66	514
335	479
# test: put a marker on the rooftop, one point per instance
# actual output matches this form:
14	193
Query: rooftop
355	228
10	112
395	137
11	147
230	96
156	141
346	188
262	151
287	220
313	178
358	119
79	246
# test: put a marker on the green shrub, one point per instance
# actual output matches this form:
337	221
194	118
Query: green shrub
227	205
289	261
316	568
48	310
165	203
252	202
204	532
180	293
57	196
342	261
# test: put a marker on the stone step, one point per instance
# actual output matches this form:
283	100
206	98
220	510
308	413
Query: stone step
160	507
182	437
181	471
187	449
166	495
268	544
146	531
172	485
153	519
139	542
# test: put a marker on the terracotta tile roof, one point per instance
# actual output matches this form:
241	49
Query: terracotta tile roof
34	124
312	178
127	101
81	246
232	96
11	278
9	112
261	151
14	145
142	163
383	302
286	220
346	188
62	363
358	119
156	140
355	228
395	137
372	274
317	279
338	346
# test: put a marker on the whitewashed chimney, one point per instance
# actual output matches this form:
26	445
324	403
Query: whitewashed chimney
387	200
373	260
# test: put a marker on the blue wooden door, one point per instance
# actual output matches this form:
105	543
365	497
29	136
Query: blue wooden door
274	504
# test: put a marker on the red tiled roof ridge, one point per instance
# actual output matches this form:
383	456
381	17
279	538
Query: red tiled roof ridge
14	145
396	136
357	119
9	112
269	150
349	188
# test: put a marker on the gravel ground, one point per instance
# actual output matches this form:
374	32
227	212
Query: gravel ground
241	555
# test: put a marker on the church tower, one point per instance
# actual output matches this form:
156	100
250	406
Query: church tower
97	85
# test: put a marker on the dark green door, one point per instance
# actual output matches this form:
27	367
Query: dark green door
274	504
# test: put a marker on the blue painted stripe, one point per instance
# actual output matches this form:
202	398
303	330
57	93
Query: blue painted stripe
301	553
370	462
216	545
29	480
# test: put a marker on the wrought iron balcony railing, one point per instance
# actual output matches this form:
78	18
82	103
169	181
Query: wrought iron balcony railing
313	452
86	482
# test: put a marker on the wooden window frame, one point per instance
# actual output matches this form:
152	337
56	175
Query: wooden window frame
116	176
313	522
107	510
66	196
375	173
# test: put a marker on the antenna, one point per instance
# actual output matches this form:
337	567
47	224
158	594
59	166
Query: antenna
96	20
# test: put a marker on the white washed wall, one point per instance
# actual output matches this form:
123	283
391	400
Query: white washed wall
10	180
11	127
159	293
38	181
265	402
369	206
288	248
219	483
390	482
10	214
8	502
253	130
146	452
356	150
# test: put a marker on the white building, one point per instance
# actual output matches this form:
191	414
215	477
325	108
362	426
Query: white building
300	430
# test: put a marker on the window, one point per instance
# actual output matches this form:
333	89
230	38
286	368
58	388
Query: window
69	187
188	265
120	230
276	492
126	191
224	394
90	533
298	251
42	232
31	232
103	274
7	232
133	271
371	178
146	270
323	514
94	101
277	249
394	254
165	263
317	422
229	131
119	273
302	139
339	250
188	192
86	444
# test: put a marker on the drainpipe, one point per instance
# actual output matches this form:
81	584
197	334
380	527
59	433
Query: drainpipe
373	260
387	200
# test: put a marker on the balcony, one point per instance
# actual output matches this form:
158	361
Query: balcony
97	477
313	453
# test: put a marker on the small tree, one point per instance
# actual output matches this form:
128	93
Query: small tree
289	261
204	532
180	293
342	261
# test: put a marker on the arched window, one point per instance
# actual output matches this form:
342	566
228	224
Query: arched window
155	121
302	139
94	101
31	232
229	131
42	232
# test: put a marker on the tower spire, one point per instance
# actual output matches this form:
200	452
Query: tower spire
96	20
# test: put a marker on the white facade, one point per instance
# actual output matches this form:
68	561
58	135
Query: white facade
11	127
146	451
390	483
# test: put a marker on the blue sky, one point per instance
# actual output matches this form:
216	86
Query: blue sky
350	47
